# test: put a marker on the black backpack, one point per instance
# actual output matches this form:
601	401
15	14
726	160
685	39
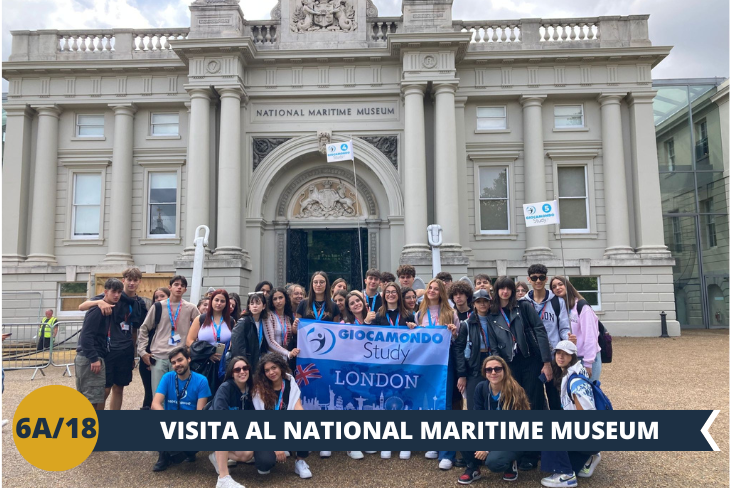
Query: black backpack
605	341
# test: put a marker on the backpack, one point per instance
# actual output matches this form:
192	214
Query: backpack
158	313
604	338
601	400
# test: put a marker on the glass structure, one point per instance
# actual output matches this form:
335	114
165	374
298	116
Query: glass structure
694	193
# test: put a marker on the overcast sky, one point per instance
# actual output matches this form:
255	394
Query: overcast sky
698	29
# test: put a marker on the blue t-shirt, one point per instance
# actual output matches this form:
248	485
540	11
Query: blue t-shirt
197	388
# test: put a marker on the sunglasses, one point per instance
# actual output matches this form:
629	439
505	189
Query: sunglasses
496	369
538	277
240	369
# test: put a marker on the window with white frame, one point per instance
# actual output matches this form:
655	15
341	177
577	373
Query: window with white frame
165	124
89	125
162	204
491	118
70	296
573	199
671	158
569	116
86	212
590	288
494	199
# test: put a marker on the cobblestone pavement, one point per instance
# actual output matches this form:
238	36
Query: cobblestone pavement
688	372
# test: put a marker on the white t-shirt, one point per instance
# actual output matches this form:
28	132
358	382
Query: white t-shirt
578	387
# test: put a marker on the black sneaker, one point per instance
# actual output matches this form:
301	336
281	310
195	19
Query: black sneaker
460	463
527	464
162	463
471	474
190	458
511	474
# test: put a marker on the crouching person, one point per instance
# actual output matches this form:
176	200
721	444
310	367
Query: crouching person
180	389
236	394
500	392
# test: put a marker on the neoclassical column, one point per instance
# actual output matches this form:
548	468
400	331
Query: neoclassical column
198	177
461	178
230	195
647	193
537	245
43	210
618	240
16	182
414	173
119	247
446	184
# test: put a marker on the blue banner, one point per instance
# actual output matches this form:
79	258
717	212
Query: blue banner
363	367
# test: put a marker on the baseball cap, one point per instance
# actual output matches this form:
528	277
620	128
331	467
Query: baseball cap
484	294
567	346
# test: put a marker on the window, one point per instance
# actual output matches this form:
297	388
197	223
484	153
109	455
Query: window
573	199
669	145
70	296
568	116
86	213
707	206
677	232
590	288
165	125
162	205
494	200
491	118
90	126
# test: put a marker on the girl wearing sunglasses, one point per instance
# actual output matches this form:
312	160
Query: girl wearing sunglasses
500	392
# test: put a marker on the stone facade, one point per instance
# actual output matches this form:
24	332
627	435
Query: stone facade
220	124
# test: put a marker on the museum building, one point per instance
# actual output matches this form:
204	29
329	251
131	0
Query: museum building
120	143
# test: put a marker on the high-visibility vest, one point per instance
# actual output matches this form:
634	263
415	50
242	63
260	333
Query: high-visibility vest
47	327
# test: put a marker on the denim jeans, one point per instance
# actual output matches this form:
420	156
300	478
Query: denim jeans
597	367
450	455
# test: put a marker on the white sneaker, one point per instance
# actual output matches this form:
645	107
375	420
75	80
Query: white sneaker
384	454
558	480
214	462
370	452
590	466
355	454
325	454
231	463
446	464
5	422
228	482
302	469
432	454
405	454
288	453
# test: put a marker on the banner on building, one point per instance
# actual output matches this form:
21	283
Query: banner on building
541	213
340	151
362	367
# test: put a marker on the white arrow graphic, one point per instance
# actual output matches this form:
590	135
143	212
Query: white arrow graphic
706	428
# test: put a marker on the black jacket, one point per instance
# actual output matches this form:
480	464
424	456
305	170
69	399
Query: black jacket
245	341
92	339
528	330
383	319
470	328
229	397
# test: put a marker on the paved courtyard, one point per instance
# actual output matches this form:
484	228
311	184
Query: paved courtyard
684	373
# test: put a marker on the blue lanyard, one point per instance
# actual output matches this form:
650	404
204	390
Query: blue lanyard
320	314
173	321
541	313
367	298
261	332
217	329
283	328
397	319
506	319
430	321
281	393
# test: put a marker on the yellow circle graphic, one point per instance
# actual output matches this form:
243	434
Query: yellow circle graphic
55	428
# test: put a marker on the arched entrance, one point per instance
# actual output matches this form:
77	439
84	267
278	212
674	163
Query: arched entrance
307	213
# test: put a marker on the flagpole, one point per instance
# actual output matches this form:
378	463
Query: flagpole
357	205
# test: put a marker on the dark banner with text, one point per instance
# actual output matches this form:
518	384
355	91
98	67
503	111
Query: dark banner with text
642	430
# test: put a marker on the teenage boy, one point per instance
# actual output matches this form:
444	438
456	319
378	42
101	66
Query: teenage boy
180	389
461	294
175	316
406	275
127	316
385	278
94	345
483	282
550	308
373	300
446	278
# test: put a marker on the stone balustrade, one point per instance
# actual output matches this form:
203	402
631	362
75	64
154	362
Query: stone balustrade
382	27
570	30
501	31
265	33
157	39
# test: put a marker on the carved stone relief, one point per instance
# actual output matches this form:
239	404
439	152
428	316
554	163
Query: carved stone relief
263	146
326	198
323	15
276	11
372	10
388	145
325	137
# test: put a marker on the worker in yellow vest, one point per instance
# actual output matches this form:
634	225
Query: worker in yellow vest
47	329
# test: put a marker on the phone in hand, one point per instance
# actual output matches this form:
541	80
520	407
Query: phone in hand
543	378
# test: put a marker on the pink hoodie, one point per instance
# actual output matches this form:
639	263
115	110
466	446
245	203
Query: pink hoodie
585	328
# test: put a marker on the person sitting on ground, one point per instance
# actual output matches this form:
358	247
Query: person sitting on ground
275	389
499	392
180	389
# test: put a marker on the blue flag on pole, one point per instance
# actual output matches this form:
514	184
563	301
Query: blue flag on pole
363	367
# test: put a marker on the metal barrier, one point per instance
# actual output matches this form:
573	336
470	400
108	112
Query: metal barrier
64	346
24	349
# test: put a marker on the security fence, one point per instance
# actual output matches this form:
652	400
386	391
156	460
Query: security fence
29	348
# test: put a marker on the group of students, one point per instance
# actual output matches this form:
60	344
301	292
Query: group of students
511	349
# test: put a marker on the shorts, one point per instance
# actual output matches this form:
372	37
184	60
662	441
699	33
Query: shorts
89	384
119	366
